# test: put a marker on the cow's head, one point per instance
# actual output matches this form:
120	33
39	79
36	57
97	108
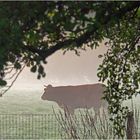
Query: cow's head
46	89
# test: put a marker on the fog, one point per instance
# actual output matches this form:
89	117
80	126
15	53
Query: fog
68	69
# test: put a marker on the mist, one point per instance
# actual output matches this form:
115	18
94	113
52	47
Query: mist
68	69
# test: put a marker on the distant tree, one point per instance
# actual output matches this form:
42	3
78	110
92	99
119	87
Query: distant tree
32	31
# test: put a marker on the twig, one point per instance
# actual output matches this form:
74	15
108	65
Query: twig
13	80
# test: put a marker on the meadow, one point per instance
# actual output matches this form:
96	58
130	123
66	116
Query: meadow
25	101
23	115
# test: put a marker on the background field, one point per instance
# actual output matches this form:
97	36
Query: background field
29	101
25	101
34	118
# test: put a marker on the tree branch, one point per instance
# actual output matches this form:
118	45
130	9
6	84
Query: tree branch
84	38
8	87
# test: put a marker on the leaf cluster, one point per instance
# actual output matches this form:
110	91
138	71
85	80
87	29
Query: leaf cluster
32	31
120	70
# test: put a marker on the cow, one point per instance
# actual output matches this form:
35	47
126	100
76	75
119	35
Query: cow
74	97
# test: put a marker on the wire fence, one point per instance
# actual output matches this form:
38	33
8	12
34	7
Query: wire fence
44	126
30	126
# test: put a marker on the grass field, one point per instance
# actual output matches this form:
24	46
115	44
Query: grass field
24	125
29	101
29	120
19	101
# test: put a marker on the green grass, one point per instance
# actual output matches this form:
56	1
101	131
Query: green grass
29	101
29	126
25	102
29	121
25	125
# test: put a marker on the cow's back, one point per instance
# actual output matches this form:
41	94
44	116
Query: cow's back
82	96
94	96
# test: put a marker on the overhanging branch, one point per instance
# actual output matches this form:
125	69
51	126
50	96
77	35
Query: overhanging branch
84	38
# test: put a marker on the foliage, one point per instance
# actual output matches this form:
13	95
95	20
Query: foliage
32	31
120	69
84	125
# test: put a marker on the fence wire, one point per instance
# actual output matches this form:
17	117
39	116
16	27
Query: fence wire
44	126
29	126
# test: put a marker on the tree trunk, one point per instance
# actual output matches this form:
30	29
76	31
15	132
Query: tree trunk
130	125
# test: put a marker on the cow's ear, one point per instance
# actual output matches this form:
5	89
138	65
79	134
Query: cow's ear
49	86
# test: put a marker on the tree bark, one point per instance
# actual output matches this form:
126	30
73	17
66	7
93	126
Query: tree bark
130	125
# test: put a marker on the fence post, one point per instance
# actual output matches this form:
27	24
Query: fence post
130	125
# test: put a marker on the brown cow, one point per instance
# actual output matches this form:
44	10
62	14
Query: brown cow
73	97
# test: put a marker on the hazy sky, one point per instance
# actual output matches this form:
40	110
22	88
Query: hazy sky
67	69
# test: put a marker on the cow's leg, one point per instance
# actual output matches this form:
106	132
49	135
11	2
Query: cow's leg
97	113
103	111
68	111
71	111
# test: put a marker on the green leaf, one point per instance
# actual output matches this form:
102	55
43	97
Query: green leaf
3	82
17	65
38	76
34	68
41	69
